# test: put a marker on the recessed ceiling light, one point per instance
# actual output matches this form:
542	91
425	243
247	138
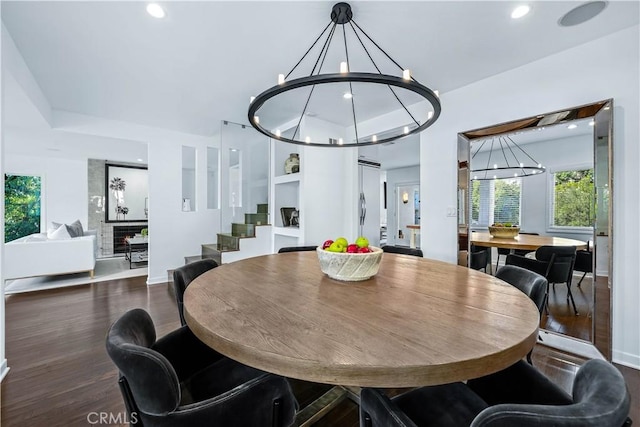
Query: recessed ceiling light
520	11
582	13
572	126
592	123
347	95
140	160
155	10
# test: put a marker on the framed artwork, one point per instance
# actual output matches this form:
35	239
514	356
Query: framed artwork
290	217
126	193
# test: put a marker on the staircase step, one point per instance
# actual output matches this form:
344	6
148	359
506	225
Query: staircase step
207	251
263	208
243	230
256	218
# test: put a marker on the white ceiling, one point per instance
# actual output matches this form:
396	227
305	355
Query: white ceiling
201	64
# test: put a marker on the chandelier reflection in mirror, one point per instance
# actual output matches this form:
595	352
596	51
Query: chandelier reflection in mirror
309	107
506	159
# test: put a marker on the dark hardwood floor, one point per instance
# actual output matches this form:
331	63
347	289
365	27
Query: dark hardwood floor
60	372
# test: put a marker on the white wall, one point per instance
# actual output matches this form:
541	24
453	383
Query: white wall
605	68
174	234
64	186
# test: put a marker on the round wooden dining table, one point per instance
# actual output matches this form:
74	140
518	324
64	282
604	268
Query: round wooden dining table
417	322
523	241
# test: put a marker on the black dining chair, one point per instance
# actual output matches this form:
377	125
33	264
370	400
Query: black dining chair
183	276
296	249
517	396
479	258
179	381
584	262
402	250
505	251
555	263
532	284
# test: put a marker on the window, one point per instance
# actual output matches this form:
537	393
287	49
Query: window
21	206
495	201
573	196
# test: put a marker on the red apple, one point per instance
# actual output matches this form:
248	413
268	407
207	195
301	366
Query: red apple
326	244
364	250
352	249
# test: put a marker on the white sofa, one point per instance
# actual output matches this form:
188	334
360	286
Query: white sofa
35	255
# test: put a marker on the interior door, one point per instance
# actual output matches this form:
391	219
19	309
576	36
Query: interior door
370	189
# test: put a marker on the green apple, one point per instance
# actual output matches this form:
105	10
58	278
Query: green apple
342	241
335	247
362	242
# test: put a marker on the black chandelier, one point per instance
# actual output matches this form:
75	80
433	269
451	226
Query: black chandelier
403	89
506	159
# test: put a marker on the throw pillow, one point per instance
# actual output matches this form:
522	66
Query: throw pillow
60	233
75	228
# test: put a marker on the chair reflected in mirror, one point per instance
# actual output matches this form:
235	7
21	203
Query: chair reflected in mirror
584	262
479	258
555	263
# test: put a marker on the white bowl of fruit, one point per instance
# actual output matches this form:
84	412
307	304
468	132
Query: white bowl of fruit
349	262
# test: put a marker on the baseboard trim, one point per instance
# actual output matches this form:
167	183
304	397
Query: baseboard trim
569	345
4	369
627	359
156	280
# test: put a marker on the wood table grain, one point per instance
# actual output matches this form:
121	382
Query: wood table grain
524	241
417	322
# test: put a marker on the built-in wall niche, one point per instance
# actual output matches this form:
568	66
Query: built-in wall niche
127	192
235	178
188	178
213	178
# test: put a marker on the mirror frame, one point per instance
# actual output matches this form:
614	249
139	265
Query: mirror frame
137	169
602	113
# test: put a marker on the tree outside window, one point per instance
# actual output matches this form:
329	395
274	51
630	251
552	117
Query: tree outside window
21	206
495	201
573	198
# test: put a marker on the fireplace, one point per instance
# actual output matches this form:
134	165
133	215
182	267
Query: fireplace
121	232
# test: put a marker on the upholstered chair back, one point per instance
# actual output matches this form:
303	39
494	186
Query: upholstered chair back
184	275
151	378
532	284
600	398
403	251
563	258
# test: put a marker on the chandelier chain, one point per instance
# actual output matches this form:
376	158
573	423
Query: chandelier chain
353	105
325	49
307	52
515	157
380	72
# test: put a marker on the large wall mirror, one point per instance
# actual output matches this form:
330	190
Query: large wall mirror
127	193
551	175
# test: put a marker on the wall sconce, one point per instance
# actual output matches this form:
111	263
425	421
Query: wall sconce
405	197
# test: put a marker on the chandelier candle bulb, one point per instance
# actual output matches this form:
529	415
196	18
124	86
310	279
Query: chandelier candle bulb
251	99
340	141
307	139
280	79
406	74
343	68
429	115
437	92
278	132
406	129
257	119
